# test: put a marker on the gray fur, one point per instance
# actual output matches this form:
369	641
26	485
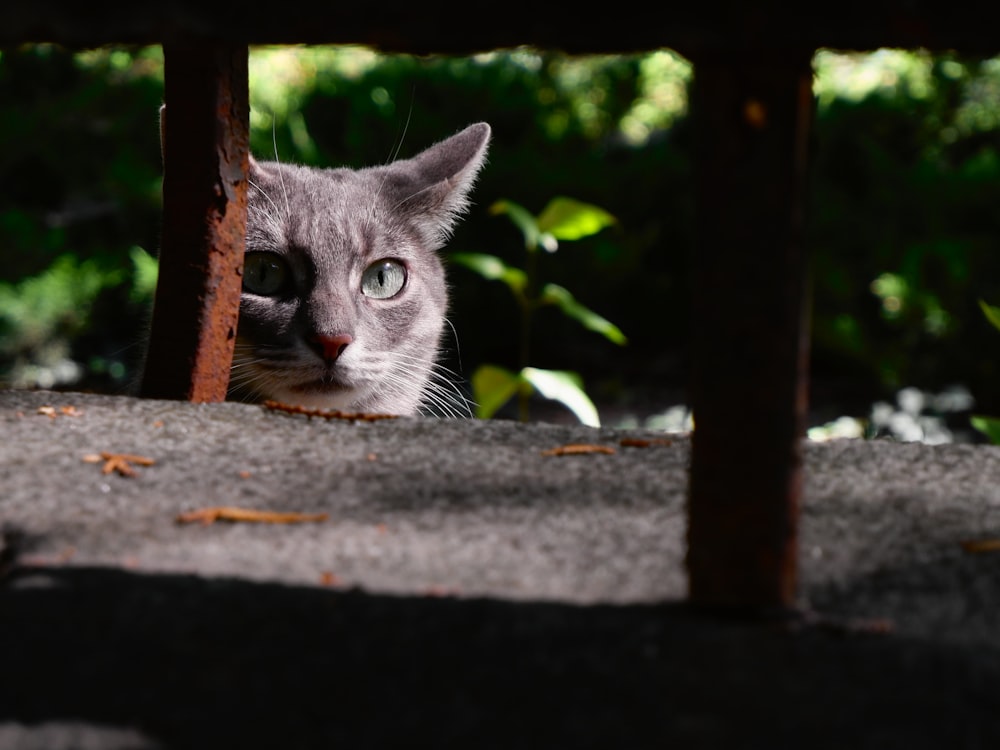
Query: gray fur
327	226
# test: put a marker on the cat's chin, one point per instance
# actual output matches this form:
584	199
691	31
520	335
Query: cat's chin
321	394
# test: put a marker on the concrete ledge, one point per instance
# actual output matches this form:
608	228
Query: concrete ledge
466	589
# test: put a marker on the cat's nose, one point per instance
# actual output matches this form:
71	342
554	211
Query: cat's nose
330	347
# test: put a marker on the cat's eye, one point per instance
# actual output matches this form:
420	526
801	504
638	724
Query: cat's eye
383	279
265	274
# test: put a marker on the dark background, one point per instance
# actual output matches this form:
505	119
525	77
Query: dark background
903	211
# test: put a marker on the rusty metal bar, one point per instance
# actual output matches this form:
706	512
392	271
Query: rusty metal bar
205	144
750	344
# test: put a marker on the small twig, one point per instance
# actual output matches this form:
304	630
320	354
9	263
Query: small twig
643	442
974	546
326	414
120	462
576	449
246	515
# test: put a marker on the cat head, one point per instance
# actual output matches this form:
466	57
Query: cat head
344	295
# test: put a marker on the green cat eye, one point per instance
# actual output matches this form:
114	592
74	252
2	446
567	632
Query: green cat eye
264	273
383	279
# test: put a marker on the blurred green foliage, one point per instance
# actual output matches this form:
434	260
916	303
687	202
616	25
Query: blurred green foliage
80	176
989	426
903	226
903	231
562	219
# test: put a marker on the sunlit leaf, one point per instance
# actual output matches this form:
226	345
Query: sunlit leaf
569	219
146	272
492	268
492	387
522	218
992	314
554	294
567	389
989	426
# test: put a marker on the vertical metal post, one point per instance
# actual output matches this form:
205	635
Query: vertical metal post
205	145
750	349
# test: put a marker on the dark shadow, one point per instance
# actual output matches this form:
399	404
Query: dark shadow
209	663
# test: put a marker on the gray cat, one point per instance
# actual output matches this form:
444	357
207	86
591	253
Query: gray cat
344	294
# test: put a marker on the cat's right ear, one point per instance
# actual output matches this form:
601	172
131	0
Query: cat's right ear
257	171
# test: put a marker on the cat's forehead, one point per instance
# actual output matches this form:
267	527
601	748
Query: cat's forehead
323	209
314	189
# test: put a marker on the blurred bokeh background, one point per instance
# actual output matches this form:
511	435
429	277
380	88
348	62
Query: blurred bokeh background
904	211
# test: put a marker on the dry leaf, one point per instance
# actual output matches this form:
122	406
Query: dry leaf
437	590
974	546
246	515
326	414
575	449
326	578
644	442
66	411
120	462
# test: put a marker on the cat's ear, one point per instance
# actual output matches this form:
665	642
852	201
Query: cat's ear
254	167
436	183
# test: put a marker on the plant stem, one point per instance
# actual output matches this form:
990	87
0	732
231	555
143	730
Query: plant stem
524	393
528	302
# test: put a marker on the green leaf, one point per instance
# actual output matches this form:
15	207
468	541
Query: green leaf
554	294
522	218
54	305
566	388
992	314
569	219
492	268
492	387
146	271
989	426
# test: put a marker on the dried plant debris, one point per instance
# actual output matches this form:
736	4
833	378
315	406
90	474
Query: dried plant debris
577	449
328	578
65	411
247	515
644	442
975	546
326	414
118	462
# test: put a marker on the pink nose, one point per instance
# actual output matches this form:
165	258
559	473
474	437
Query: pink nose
331	347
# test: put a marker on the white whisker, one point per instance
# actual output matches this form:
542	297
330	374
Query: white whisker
394	153
277	160
263	192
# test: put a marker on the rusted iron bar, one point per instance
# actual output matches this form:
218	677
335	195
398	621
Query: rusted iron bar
750	344
205	143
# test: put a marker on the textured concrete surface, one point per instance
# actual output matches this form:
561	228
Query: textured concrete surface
465	589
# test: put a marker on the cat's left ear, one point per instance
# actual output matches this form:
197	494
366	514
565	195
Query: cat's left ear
438	181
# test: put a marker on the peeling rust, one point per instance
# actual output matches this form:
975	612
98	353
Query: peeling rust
206	141
750	339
